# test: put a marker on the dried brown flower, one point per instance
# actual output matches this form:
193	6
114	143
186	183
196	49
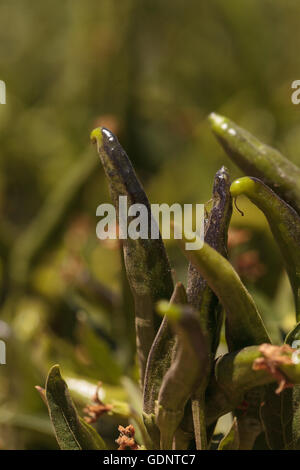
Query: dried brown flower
126	439
273	357
97	409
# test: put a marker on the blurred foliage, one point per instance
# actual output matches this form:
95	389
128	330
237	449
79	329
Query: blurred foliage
150	71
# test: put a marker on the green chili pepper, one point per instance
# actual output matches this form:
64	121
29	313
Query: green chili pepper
284	223
285	226
146	262
127	312
259	160
244	326
200	294
188	366
159	362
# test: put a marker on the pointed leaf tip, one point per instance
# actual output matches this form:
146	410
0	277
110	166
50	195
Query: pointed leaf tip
96	136
72	432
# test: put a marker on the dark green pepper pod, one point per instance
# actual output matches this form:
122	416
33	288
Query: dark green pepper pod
284	223
244	326
200	295
259	160
189	365
285	226
146	262
159	361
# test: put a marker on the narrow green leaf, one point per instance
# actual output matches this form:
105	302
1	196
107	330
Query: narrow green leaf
72	432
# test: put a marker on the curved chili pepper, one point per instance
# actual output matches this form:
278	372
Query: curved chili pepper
159	361
188	367
146	262
284	223
259	160
201	296
244	326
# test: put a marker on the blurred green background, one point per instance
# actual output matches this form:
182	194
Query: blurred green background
151	71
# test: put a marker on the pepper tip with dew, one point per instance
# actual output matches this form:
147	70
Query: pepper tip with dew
96	136
218	122
241	186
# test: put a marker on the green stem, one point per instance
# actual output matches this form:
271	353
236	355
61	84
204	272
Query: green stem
198	409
